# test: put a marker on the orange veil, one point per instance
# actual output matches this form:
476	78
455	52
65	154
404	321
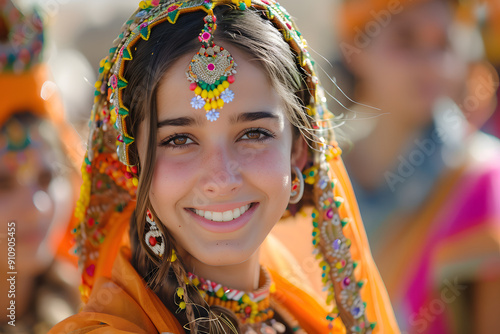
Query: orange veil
107	200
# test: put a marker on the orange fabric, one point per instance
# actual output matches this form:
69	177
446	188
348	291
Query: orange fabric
22	92
491	32
307	311
123	304
353	16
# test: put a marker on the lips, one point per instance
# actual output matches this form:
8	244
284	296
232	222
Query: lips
225	216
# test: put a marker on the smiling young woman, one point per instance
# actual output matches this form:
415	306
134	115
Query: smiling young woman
202	170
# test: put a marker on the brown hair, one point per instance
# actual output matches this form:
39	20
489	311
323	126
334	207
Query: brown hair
254	35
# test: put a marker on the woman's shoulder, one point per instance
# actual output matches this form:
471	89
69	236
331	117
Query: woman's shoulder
121	304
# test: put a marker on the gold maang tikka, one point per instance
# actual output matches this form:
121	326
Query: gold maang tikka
211	72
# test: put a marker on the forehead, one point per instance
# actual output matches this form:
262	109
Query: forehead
420	17
252	87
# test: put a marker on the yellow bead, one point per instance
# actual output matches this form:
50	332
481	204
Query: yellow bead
214	104
143	4
198	90
173	257
220	293
182	305
210	95
220	88
180	292
107	66
220	103
204	94
245	299
225	84
208	106
135	181
98	84
196	281
216	92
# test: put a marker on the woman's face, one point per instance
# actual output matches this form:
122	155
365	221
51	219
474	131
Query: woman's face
28	196
410	62
219	187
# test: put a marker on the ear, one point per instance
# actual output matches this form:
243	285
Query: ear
299	153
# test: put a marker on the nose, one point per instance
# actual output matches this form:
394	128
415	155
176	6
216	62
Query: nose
221	173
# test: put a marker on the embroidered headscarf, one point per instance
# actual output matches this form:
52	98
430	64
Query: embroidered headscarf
109	184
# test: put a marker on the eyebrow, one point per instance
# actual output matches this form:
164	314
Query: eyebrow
180	121
241	118
253	116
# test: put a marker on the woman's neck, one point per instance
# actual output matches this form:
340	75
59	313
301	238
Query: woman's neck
242	276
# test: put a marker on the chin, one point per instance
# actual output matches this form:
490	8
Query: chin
225	253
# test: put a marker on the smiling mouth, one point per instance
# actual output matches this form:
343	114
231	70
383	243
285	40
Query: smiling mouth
225	216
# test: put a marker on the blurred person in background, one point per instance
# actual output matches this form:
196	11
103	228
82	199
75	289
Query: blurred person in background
37	175
426	179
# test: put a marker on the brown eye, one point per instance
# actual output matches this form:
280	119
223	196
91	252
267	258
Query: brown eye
257	135
253	135
180	140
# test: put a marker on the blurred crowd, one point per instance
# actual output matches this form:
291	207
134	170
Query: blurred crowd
414	84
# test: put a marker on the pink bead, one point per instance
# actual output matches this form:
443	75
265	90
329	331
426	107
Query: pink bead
90	270
206	36
230	79
193	86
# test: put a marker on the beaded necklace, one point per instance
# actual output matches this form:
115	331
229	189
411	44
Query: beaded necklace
253	309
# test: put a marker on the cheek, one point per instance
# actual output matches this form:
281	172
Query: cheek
269	170
170	179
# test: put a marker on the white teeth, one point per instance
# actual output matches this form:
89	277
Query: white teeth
225	216
217	216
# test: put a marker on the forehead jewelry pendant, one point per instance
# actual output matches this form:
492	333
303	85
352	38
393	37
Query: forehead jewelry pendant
211	72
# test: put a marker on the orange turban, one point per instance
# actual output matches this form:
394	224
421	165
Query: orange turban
355	15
